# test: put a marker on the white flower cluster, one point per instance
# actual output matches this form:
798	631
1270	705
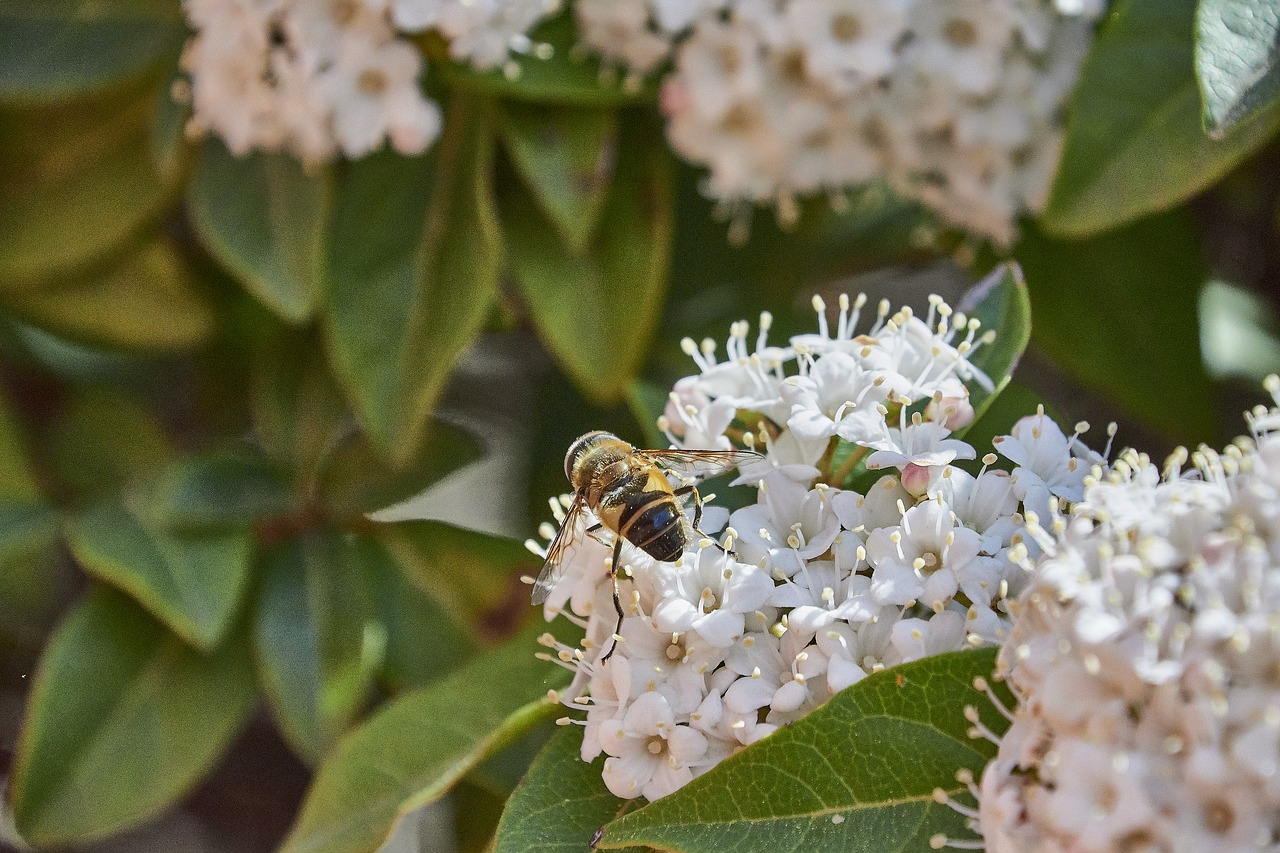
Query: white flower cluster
955	103
316	78
1145	657
822	584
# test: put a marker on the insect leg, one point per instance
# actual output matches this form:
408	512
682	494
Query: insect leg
617	599
697	515
593	530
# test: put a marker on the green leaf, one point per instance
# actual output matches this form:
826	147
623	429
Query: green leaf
1135	143
317	644
872	756
355	479
411	273
298	409
467	571
1237	45
566	156
425	640
647	402
192	582
32	582
264	218
76	179
1001	303
123	719
561	801
568	76
220	489
104	441
1141	343
144	299
56	48
420	744
597	309
17	475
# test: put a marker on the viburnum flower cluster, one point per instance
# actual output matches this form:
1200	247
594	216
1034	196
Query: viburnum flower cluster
955	103
817	584
316	78
1145	658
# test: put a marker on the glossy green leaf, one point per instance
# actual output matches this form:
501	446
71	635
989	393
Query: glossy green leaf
32	583
1135	143
144	299
857	774
567	76
1002	304
566	156
299	413
219	489
57	48
412	270
1141	343
424	639
264	218
317	644
76	179
123	719
561	801
103	441
597	309
191	581
466	570
1237	48
17	476
420	744
353	478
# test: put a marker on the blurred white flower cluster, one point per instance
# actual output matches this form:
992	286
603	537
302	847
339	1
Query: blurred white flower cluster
955	103
1145	657
823	584
317	78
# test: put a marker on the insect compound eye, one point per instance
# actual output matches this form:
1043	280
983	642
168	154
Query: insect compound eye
579	447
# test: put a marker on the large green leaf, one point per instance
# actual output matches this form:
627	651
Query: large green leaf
104	441
18	479
425	639
1118	312
561	801
1002	304
420	744
143	299
191	581
1135	142
412	270
265	219
123	719
56	48
354	478
858	774
32	583
566	155
567	76
1237	47
299	413
76	179
466	570
220	489
597	309
317	643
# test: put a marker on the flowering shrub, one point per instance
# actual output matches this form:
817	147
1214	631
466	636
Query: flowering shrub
820	584
1144	657
279	278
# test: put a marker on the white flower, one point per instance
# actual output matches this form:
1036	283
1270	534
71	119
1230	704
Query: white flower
846	42
922	559
649	753
711	595
1047	462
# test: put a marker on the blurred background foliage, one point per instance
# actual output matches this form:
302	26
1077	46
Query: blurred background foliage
215	367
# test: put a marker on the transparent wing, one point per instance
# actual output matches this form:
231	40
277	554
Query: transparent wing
554	565
701	463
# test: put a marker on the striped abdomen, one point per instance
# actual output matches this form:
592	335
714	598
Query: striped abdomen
651	521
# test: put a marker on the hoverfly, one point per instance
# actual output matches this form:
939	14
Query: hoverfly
631	495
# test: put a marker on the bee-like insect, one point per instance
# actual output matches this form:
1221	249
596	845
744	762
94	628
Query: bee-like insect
631	494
